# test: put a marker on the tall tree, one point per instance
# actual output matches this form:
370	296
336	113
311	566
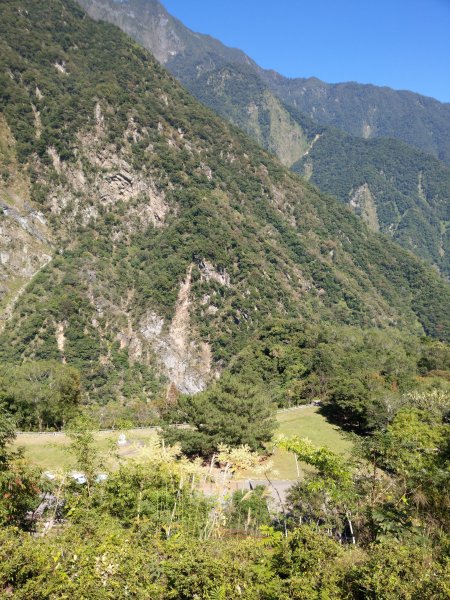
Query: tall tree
230	412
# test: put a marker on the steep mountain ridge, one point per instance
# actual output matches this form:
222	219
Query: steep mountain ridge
362	110
175	236
270	109
149	23
235	92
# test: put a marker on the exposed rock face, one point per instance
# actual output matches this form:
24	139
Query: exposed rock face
61	339
362	110
363	203
186	362
99	179
210	273
110	179
155	28
283	137
25	237
314	141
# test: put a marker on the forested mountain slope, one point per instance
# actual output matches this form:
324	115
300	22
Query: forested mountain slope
395	188
223	78
369	111
401	191
173	235
361	110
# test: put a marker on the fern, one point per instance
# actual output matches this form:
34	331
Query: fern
218	594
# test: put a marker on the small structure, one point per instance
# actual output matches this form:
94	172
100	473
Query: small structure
79	478
122	441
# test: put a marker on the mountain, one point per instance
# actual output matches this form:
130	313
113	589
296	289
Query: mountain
223	78
159	237
362	110
369	111
404	192
395	188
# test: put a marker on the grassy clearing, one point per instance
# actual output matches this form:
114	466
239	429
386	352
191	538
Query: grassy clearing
50	451
308	423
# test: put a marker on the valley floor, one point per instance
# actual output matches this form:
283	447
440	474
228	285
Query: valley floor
49	450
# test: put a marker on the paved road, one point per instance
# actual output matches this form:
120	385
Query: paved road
137	429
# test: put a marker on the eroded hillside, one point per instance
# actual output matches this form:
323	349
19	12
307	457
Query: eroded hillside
272	110
173	235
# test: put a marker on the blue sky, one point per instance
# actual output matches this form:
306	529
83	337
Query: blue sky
404	44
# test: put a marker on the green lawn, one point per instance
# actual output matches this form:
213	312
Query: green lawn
306	422
50	451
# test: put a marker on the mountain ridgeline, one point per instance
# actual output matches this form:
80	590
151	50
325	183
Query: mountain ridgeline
361	110
164	237
297	120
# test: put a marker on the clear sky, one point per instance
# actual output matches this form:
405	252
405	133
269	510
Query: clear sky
404	44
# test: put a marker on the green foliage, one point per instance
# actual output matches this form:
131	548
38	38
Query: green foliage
397	490
44	394
81	434
330	467
414	450
155	499
304	561
19	483
359	376
416	120
229	412
248	510
399	571
142	533
258	243
229	81
409	184
327	495
7	435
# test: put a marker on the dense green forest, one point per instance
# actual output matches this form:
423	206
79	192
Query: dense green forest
373	527
395	188
199	286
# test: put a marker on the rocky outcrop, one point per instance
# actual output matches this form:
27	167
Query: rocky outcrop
208	272
99	180
363	203
25	237
186	361
172	346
